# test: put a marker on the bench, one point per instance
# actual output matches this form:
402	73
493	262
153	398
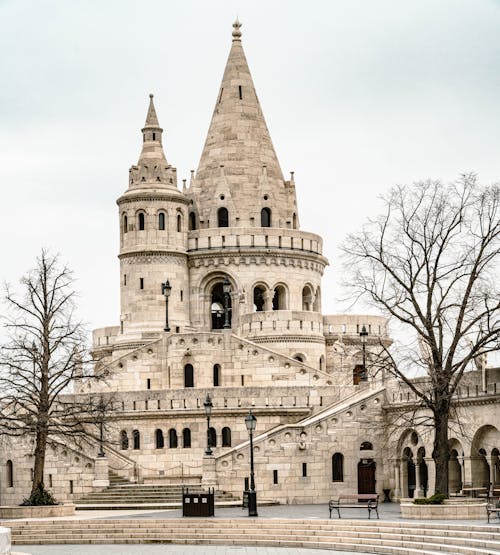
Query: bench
354	501
490	508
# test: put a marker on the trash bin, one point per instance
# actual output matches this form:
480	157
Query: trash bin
198	504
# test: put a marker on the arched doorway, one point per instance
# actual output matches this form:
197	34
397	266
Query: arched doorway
454	473
423	471
366	476
411	479
217	307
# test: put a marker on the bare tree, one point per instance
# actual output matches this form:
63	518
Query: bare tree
43	359
431	263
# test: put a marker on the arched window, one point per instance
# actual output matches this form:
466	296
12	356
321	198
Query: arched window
338	467
172	438
265	217
321	362
222	217
161	221
192	220
137	439
258	299
217	307
179	222
279	298
212	437
188	375
125	223
10	474
186	438
226	437
216	375
307	298
123	440
366	446
300	358
141	221
159	441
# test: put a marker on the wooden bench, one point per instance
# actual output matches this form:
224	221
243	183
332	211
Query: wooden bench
492	508
354	501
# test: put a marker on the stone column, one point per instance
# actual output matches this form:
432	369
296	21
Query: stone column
209	474
419	492
101	474
431	476
397	481
468	462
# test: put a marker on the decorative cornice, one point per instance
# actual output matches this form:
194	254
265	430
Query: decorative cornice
257	256
286	339
129	198
153	257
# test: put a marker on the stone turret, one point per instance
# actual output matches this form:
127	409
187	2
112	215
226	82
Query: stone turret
153	240
239	171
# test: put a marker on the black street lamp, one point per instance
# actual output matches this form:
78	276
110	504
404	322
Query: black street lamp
363	334
251	423
101	408
165	290
226	289
208	411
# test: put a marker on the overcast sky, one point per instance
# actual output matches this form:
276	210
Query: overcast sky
358	96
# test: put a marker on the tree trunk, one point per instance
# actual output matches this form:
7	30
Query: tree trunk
441	452
40	449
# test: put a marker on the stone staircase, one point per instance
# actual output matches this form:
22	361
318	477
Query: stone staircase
123	494
394	538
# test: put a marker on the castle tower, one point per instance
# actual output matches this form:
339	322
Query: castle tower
243	227
153	237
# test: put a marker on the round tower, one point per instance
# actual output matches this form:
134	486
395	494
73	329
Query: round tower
153	240
244	226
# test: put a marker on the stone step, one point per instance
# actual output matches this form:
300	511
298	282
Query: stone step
397	538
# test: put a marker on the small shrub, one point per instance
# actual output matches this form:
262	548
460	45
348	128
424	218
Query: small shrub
436	499
39	497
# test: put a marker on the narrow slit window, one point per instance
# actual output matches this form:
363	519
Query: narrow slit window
141	221
304	470
220	95
141	283
275	476
240	92
161	221
154	136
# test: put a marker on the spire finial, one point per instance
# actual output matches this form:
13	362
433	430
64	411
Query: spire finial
151	118
236	30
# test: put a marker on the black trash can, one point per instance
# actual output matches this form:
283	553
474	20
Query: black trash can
198	504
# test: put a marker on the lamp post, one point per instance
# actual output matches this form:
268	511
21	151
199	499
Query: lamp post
363	334
226	289
101	408
251	423
165	290
208	411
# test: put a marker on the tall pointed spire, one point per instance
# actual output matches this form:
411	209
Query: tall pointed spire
239	140
152	166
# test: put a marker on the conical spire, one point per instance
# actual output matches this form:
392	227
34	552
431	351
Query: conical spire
238	134
238	140
151	118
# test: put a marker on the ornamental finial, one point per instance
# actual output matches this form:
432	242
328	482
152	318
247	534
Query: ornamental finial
236	30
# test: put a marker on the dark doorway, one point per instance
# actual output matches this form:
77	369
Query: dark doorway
217	307
366	476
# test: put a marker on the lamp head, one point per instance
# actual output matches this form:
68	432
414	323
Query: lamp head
363	334
166	288
250	421
208	405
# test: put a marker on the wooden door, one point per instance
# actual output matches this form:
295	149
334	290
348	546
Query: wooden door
366	476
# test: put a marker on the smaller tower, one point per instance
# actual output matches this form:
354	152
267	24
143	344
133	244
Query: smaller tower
153	240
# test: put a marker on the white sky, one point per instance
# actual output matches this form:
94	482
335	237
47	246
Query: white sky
358	96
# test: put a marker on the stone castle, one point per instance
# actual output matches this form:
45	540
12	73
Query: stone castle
220	295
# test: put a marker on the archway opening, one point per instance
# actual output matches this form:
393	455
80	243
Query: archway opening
217	307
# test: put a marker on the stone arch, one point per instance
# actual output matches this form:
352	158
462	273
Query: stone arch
260	296
455	469
212	300
307	297
299	357
484	457
124	440
280	297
